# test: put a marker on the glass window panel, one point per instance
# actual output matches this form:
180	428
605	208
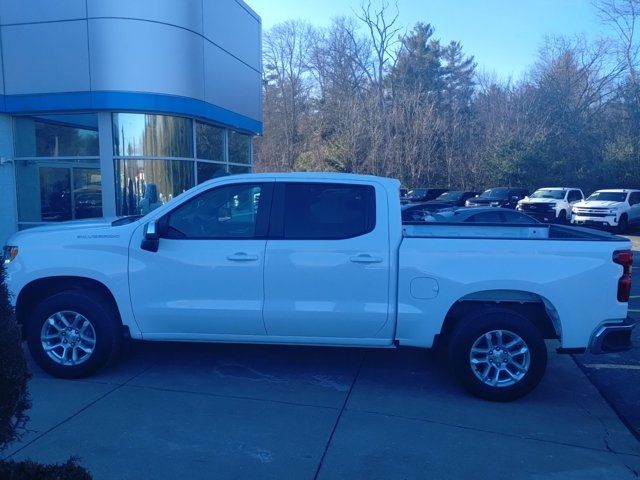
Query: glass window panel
87	193
224	212
207	171
209	142
145	135
57	136
235	169
328	211
144	185
239	148
51	191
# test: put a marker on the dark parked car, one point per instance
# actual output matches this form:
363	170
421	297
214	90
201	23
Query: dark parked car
466	215
452	198
504	197
423	194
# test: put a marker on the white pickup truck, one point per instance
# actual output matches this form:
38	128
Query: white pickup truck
320	259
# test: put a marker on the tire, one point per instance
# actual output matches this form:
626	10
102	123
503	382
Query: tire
84	346
562	217
473	330
623	224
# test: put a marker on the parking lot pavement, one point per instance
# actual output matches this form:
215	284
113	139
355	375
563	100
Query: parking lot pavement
169	411
617	376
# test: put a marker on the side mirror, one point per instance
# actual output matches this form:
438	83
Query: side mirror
151	239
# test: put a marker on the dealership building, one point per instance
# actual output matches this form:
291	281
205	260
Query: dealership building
114	107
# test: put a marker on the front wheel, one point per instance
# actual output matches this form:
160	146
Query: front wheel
497	354
562	217
72	334
623	224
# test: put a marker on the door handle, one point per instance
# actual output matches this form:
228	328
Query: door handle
366	258
242	257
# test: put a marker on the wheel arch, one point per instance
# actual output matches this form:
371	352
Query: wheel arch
531	305
37	290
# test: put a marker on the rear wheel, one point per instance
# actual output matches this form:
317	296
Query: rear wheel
72	334
498	354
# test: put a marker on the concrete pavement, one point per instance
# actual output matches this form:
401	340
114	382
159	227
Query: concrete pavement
169	411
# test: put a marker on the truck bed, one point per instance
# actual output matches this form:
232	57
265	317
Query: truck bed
535	231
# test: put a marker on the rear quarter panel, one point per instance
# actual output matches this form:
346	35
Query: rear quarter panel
577	278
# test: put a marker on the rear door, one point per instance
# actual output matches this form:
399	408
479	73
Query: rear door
327	261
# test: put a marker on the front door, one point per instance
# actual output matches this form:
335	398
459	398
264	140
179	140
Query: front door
327	262
207	276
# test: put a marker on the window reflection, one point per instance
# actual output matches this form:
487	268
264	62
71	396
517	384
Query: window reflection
144	185
207	171
56	136
236	169
239	148
54	191
209	142
144	135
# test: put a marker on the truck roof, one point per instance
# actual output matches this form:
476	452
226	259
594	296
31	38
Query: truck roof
618	190
328	176
558	188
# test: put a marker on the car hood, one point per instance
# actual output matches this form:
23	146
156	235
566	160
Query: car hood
93	226
540	200
598	204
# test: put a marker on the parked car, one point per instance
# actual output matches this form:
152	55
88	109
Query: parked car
321	259
504	197
484	215
452	198
614	208
551	204
422	213
423	194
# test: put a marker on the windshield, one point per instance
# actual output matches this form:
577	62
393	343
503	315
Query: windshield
548	193
418	192
450	196
496	193
607	196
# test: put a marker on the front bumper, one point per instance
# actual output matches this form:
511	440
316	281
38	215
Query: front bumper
600	221
546	216
612	337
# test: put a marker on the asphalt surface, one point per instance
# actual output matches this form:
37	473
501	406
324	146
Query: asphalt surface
617	375
204	411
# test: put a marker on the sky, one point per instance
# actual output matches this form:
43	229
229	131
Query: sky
504	36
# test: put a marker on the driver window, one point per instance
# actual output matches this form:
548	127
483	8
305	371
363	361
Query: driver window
223	212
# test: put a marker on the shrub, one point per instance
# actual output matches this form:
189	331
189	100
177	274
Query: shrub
14	374
70	470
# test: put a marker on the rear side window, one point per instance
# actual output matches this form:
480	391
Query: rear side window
328	211
485	217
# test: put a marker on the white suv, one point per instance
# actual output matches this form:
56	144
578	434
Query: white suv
617	208
551	204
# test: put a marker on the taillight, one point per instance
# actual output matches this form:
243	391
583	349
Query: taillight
624	258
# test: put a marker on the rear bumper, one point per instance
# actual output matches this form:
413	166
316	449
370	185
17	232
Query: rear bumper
612	337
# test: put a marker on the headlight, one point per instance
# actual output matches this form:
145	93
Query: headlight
613	211
467	203
519	207
495	204
9	253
